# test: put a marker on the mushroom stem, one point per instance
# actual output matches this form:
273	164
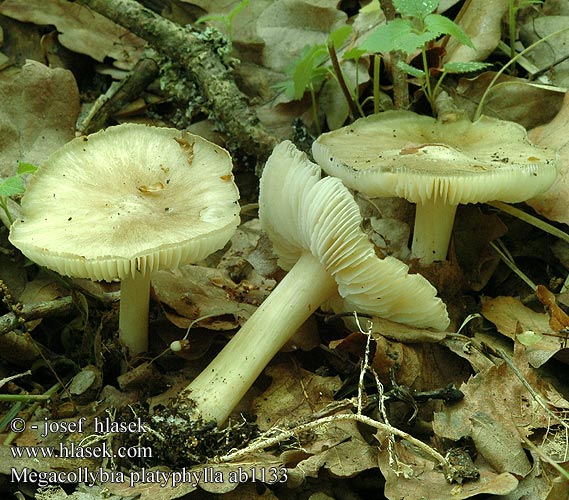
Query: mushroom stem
433	226
133	319
220	387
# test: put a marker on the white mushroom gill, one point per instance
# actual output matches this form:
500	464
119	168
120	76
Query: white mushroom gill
314	225
125	202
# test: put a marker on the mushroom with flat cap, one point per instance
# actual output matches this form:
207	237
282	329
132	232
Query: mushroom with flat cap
123	203
437	166
314	225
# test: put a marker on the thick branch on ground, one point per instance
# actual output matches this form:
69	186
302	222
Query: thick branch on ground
204	67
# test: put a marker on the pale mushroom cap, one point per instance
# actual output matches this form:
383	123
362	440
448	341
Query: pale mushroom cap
400	153
321	216
126	199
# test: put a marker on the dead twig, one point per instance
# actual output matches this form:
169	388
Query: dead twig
57	307
120	94
283	435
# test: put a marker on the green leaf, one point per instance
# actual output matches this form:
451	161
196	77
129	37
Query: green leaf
443	25
287	87
528	338
464	67
225	18
12	186
307	72
411	70
339	36
415	8
238	8
353	53
411	42
383	38
370	7
26	168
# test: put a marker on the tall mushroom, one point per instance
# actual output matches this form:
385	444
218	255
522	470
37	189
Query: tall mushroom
437	166
314	225
123	203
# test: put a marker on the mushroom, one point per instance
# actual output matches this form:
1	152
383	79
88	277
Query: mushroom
437	166
314	225
123	203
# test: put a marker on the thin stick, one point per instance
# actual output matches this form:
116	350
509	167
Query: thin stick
535	395
14	377
341	81
509	261
24	397
478	112
530	219
57	307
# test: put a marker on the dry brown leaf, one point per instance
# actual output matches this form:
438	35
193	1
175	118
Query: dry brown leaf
287	26
551	55
511	317
388	358
462	346
338	448
349	455
243	241
499	447
512	99
391	236
81	30
38	114
423	478
294	393
472	233
193	292
553	203
250	491
558	319
331	99
542	483
498	392
482	22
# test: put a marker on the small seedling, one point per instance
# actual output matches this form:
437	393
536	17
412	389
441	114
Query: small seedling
312	68
226	19
13	186
417	27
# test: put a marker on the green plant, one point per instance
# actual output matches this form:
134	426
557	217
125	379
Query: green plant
417	27
307	72
226	19
12	186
